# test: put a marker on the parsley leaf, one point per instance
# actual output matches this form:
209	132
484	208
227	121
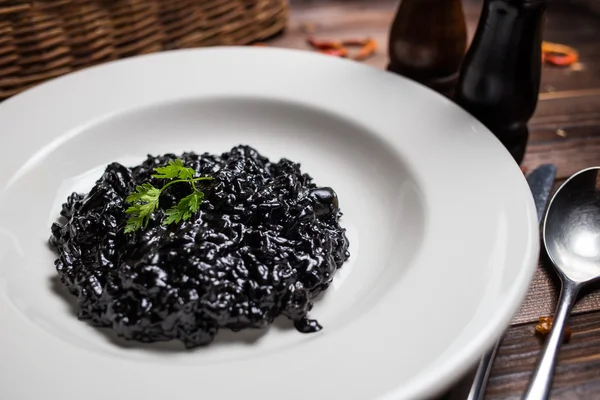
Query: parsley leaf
144	200
184	209
143	203
175	169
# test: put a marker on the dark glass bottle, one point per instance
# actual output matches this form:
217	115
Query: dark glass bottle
500	75
428	39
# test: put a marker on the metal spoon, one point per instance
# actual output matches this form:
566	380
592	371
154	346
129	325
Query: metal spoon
571	237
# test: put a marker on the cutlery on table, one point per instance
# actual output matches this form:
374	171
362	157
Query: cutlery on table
571	236
540	182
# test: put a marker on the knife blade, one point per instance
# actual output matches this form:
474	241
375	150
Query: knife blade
540	181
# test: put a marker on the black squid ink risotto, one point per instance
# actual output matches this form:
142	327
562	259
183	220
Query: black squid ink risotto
179	247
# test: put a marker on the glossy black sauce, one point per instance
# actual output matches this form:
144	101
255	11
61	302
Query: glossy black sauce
265	243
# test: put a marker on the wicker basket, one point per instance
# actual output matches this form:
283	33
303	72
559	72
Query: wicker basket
42	39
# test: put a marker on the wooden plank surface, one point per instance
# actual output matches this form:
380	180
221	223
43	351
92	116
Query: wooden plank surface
565	130
578	371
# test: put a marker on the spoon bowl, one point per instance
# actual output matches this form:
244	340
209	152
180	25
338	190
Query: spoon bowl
572	227
571	236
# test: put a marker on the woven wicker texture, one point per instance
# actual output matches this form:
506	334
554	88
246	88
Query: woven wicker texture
42	39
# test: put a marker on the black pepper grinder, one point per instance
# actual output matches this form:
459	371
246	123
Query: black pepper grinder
500	75
428	40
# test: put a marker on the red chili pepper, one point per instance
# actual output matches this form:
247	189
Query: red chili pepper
367	50
324	44
559	54
339	47
341	52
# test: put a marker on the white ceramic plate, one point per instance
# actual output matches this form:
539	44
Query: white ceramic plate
442	226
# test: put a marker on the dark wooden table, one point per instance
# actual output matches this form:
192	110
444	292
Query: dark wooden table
565	130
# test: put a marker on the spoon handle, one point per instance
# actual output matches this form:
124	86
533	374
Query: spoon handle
541	383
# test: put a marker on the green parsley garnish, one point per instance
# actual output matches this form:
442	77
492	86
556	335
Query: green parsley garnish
145	198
